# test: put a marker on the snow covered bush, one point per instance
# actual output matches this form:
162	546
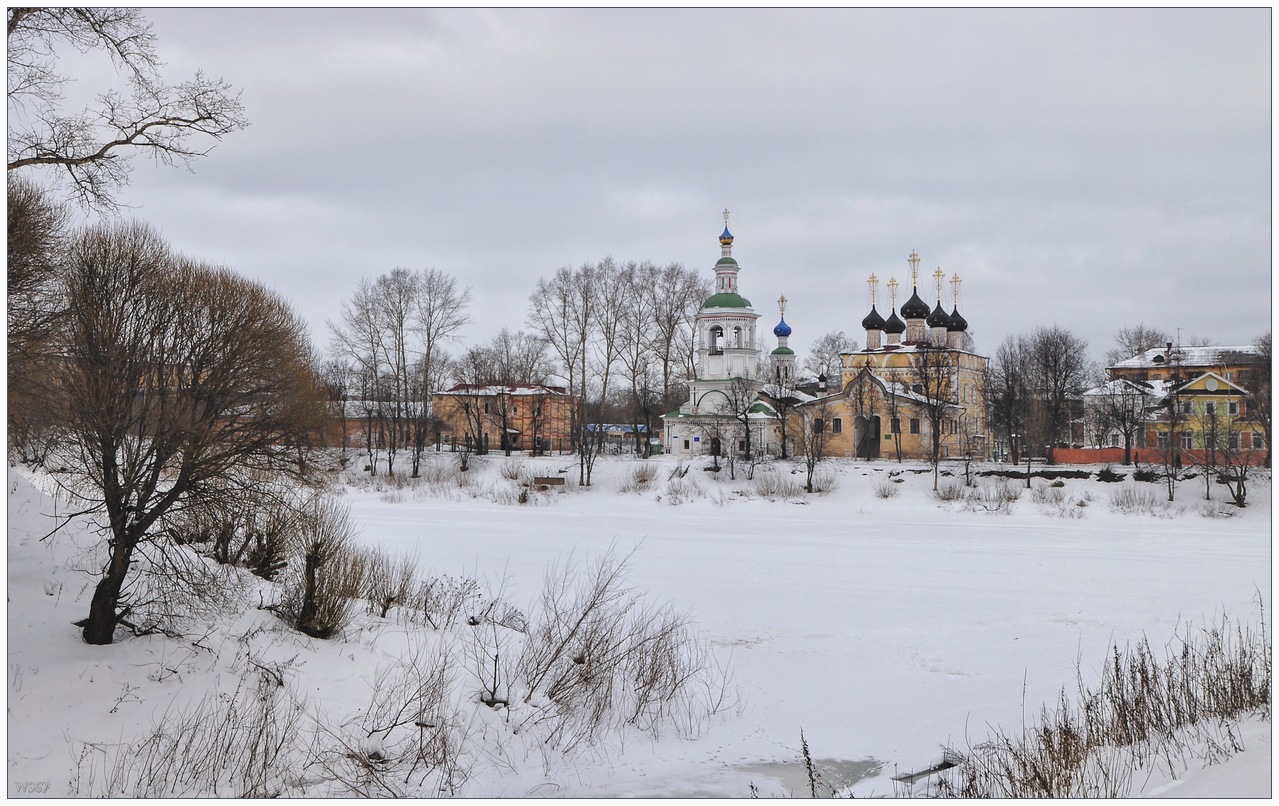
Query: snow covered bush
1131	499
949	491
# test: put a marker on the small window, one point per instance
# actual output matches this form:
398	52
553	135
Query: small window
896	425
1258	440
1188	440
1233	407
819	425
685	444
1233	440
486	407
1185	407
837	426
1210	408
914	425
515	410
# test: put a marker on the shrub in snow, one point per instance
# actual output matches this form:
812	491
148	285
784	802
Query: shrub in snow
772	486
993	496
886	488
950	491
1107	474
317	598
640	478
825	480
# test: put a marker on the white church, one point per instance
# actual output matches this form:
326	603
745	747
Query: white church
729	373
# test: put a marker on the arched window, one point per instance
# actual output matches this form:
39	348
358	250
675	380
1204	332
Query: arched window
737	336
717	335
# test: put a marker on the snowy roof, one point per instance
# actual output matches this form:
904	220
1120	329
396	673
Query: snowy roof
493	390
1192	357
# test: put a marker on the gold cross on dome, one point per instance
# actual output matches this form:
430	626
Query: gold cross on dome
913	260
781	303
954	283
874	289
892	290
939	275
725	218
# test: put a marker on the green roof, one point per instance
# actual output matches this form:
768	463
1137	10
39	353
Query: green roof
726	300
726	261
783	351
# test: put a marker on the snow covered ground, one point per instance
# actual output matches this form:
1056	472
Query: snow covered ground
883	628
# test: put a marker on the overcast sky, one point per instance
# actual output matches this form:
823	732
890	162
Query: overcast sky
1085	168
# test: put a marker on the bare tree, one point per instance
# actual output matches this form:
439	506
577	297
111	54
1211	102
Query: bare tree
1008	393
91	147
1259	405
636	352
439	311
815	435
933	379
37	235
676	297
1135	340
824	356
1122	406
183	375
1060	371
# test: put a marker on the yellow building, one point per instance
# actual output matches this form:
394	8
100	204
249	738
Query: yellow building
905	398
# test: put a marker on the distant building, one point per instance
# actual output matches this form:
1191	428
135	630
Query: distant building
518	417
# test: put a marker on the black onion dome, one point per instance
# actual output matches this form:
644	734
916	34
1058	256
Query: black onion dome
894	324
915	308
958	324
873	320
939	317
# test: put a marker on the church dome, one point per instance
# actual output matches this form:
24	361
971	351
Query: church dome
726	300
726	237
958	324
939	317
873	320
894	324
915	308
782	329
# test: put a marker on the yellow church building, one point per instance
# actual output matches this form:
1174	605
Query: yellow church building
917	387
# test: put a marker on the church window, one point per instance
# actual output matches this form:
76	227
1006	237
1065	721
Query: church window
837	426
737	337
914	425
717	334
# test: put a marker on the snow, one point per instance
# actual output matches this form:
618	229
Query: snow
884	628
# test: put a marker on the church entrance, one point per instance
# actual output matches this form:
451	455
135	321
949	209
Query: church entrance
866	436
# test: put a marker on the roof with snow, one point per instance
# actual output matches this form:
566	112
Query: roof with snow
1192	357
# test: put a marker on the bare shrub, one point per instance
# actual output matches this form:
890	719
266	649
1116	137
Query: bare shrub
318	597
997	497
825	480
409	733
512	469
949	491
1142	711
772	486
640	479
597	656
246	744
388	581
886	488
1132	499
680	490
446	601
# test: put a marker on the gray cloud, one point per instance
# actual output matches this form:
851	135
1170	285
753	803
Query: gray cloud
1088	168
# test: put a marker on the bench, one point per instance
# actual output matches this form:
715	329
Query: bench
548	481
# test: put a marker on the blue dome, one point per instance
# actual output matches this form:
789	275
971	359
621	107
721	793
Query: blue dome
782	329
726	239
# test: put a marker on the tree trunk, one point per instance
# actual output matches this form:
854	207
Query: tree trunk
99	627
